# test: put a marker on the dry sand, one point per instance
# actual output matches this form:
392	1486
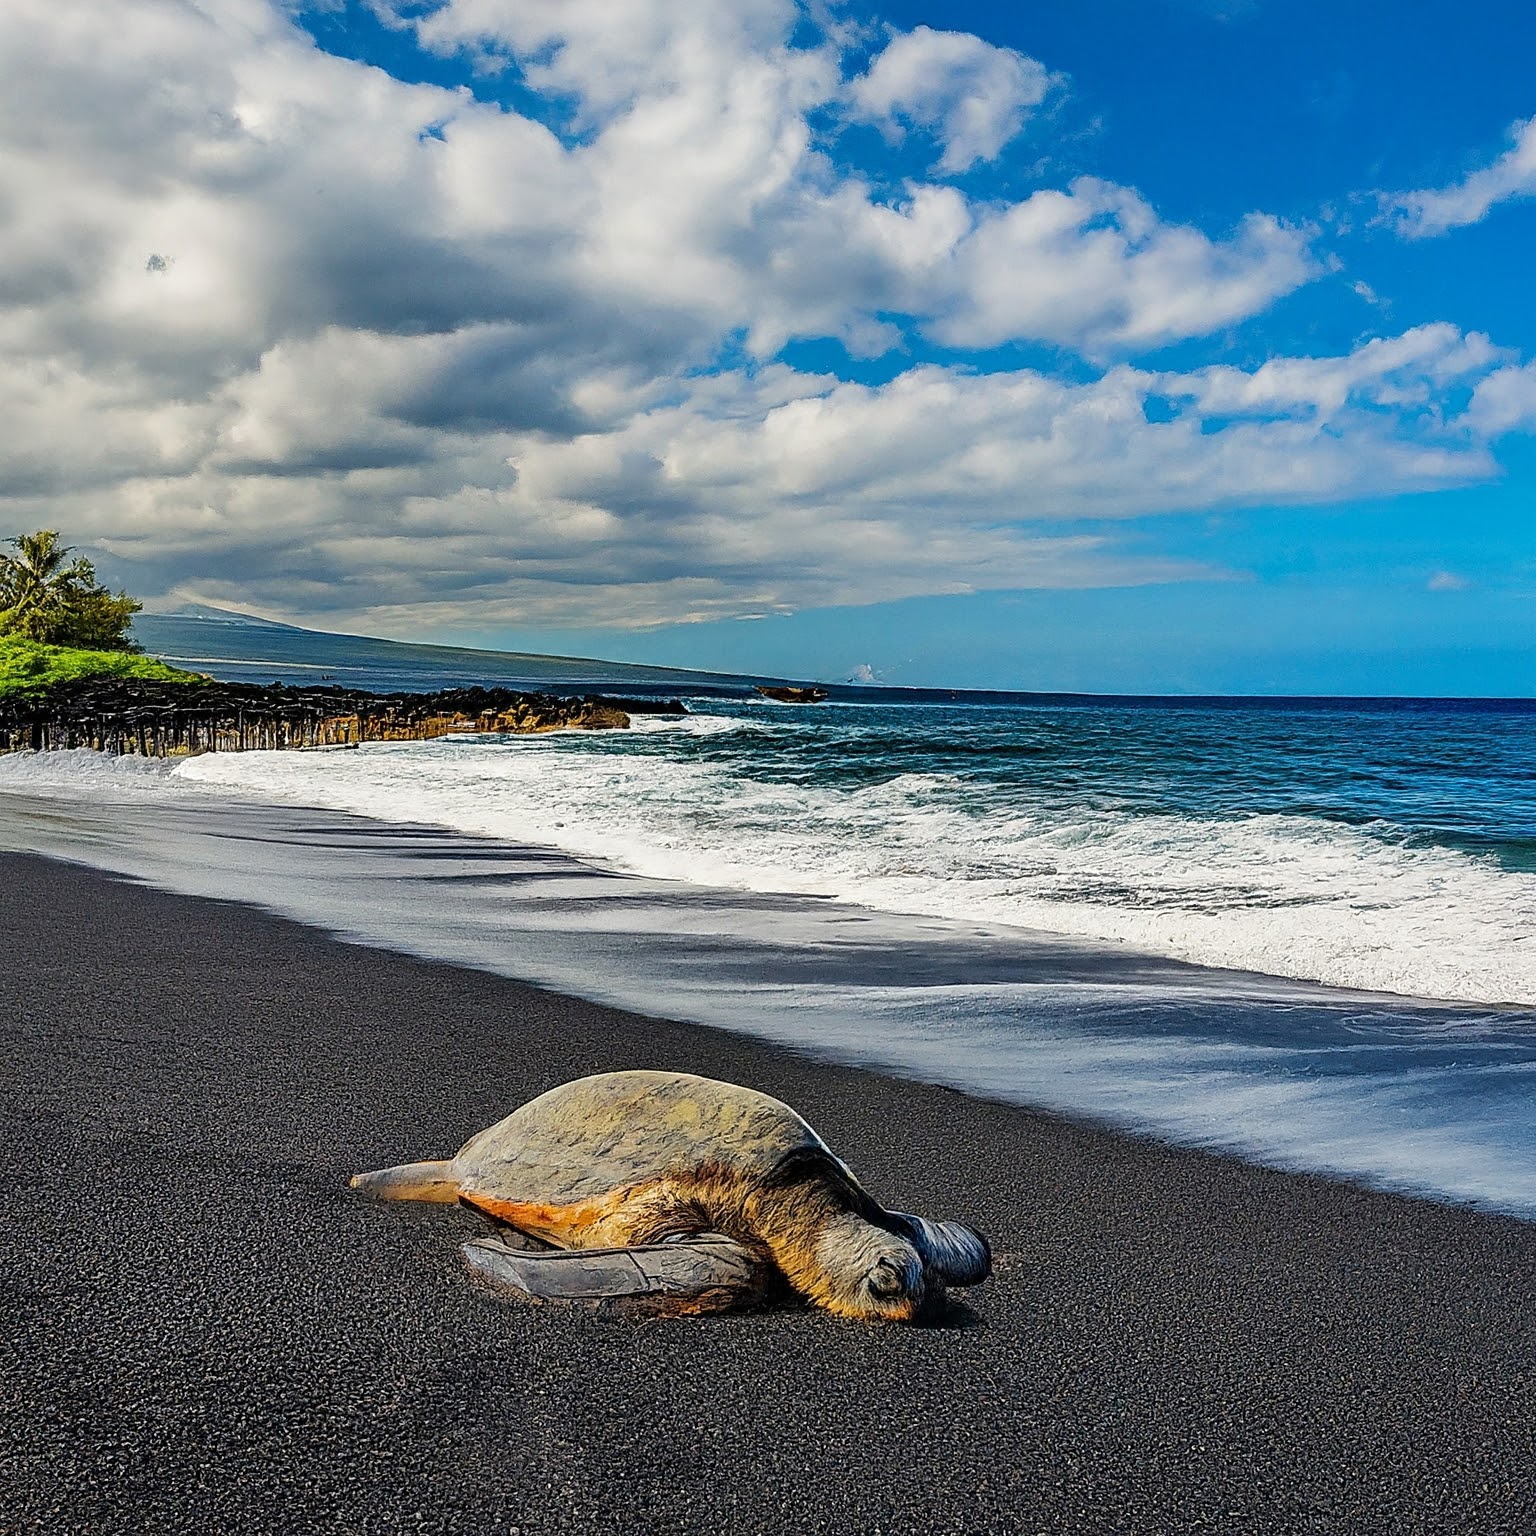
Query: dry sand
201	1329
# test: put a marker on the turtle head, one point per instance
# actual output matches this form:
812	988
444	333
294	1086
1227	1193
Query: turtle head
869	1272
953	1252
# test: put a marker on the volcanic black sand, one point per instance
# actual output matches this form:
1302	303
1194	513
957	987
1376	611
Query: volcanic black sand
202	1329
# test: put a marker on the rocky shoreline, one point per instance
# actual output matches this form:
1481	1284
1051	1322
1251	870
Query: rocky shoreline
155	719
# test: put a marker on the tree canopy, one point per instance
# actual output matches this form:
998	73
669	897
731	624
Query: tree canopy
48	597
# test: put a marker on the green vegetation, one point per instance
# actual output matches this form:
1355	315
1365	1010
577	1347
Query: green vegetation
47	597
58	623
28	667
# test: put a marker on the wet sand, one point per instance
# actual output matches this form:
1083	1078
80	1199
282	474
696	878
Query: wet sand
203	1330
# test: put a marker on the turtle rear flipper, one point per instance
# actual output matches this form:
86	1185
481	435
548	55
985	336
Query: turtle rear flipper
435	1182
709	1273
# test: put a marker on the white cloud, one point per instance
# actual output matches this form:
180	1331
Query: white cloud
1094	268
1406	375
1447	581
971	96
1505	401
779	491
279	329
704	188
609	57
1433	211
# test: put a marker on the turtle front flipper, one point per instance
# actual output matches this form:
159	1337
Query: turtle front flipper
709	1273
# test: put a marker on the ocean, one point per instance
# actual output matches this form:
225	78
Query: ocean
1297	931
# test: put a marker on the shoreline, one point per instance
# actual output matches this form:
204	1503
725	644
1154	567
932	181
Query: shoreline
1294	1075
209	1332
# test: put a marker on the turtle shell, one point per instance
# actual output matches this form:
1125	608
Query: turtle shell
602	1159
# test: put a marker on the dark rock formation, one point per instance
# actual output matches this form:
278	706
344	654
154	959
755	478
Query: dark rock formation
155	719
786	694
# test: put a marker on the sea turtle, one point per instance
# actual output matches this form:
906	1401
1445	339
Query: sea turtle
666	1192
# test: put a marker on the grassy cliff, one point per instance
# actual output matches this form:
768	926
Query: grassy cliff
29	667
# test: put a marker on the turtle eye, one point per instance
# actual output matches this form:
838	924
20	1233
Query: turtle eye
884	1279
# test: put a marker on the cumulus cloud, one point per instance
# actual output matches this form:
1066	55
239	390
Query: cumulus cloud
279	329
705	186
1094	268
1504	401
971	96
607	58
1407	375
771	491
1434	211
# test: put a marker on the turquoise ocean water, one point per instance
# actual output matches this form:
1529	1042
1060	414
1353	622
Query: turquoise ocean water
1303	931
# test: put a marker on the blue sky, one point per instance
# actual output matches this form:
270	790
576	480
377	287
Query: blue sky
1171	346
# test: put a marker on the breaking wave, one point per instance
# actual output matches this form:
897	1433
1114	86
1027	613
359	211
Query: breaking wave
1284	894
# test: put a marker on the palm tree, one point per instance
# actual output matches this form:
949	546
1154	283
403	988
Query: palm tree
46	596
35	579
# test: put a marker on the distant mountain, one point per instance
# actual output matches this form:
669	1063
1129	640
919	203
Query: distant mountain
235	647
211	615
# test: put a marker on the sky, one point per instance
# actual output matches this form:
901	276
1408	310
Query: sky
1115	345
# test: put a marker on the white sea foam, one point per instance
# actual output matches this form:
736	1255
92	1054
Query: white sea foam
1450	1122
1284	895
82	772
1429	1099
683	725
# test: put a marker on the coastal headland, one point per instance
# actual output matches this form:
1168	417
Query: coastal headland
169	719
206	1331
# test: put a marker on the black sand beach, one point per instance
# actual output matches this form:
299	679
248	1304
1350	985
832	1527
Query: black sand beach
203	1330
